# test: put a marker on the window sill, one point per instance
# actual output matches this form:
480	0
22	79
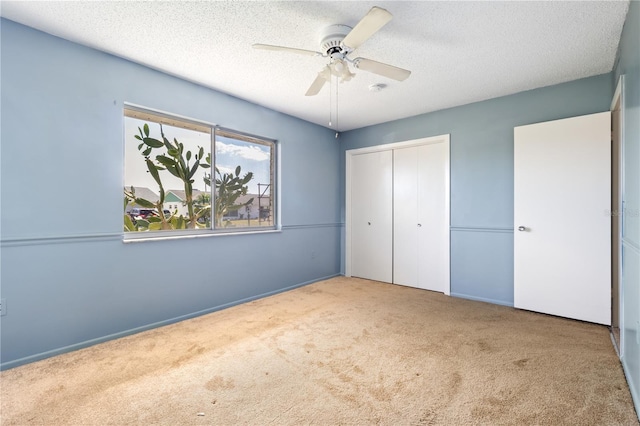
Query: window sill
155	236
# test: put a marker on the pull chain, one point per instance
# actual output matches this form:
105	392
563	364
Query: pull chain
330	98
337	116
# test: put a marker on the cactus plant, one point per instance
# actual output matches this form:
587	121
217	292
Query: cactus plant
174	159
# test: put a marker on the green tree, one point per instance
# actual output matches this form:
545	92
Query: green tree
229	187
176	161
173	159
202	206
150	223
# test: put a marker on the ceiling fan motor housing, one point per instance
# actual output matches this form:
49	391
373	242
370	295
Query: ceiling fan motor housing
331	38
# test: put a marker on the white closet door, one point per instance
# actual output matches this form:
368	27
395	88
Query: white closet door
562	241
405	216
421	217
371	216
433	217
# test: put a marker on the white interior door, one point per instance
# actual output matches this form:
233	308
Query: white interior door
421	216
371	216
433	217
405	215
562	241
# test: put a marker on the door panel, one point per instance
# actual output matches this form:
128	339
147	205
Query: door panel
371	216
616	208
433	217
421	217
562	195
405	215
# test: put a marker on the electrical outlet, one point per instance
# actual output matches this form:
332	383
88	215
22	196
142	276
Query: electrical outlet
3	307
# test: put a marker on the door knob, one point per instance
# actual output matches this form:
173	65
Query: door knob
521	228
419	225
368	223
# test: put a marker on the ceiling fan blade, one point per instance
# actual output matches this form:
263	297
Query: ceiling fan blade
318	83
379	68
375	19
286	49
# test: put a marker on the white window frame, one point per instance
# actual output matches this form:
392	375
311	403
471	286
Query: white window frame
177	120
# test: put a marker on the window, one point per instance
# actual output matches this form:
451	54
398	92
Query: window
173	183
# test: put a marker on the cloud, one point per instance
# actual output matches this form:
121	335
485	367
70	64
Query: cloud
247	152
225	169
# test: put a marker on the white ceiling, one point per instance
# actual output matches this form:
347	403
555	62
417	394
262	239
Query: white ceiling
458	52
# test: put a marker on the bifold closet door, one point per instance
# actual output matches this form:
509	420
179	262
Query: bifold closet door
562	241
371	216
421	217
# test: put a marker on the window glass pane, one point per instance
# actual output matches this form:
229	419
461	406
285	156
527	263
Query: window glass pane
244	181
168	175
170	180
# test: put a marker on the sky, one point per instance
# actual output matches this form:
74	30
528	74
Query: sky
230	154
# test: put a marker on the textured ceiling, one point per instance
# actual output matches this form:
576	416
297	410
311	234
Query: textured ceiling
458	52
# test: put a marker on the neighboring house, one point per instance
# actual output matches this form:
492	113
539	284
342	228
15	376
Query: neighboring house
141	192
175	200
251	211
263	203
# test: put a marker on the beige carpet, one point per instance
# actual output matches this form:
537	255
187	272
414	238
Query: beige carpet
342	351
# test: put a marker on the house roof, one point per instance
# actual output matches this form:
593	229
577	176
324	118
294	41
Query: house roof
181	195
144	192
177	195
263	202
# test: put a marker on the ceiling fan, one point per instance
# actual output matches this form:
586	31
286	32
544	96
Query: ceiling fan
338	42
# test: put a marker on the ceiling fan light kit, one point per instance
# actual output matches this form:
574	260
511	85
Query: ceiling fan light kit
337	42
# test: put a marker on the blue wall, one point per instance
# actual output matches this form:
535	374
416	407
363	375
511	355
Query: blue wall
482	173
629	66
69	281
67	278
